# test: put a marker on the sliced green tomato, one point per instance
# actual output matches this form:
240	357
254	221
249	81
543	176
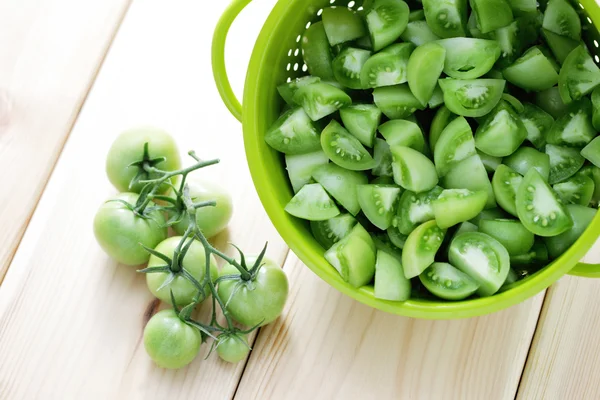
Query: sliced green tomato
454	206
592	172
347	66
424	69
550	101
365	236
454	145
383	180
440	121
481	257
316	51
390	282
511	233
331	231
533	71
490	213
416	15
437	98
446	19
447	282
288	90
397	238
412	170
561	18
312	203
529	262
344	149
596	108
421	247
321	99
502	132
521	7
490	163
513	102
468	58
492	14
582	217
578	189
383	159
415	209
475	30
526	158
293	133
561	46
537	122
354	259
513	39
400	132
342	25
379	203
575	127
591	152
364	43
396	102
388	67
579	75
418	33
472	98
301	166
506	183
361	120
386	20
539	208
564	162
383	242
470	174
341	184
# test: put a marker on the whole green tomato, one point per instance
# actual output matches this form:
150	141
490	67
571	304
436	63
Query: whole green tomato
232	348
119	231
256	301
129	148
170	342
194	262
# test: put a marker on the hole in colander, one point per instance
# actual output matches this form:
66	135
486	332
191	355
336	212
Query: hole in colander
304	68
351	4
298	38
296	66
331	1
320	12
297	52
289	66
289	79
597	59
360	8
290	53
596	43
308	24
589	20
581	5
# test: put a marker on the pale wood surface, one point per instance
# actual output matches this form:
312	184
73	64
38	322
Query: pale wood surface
71	319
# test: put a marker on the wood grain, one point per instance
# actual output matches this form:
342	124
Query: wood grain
50	53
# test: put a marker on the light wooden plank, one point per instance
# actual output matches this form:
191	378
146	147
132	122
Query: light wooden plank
49	55
330	347
564	361
71	320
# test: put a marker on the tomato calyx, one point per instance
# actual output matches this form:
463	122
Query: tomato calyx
145	167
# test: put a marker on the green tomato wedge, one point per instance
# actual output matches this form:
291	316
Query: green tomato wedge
502	132
400	132
348	65
288	90
321	99
421	247
388	67
454	145
396	102
492	14
591	152
481	257
561	46
526	158
383	159
596	108
513	102
398	239
312	203
490	163
539	208
446	18
578	189
416	15
511	233
293	133
390	282
365	236
579	75
575	127
362	120
344	149
379	203
506	183
470	174
454	206
521	7
533	71
412	170
415	209
469	58
537	122
447	282
561	18
341	184
491	213
442	118
564	162
437	98
342	25
593	173
472	97
331	231
530	262
582	217
386	20
418	33
551	102
316	51
425	66
353	258
301	166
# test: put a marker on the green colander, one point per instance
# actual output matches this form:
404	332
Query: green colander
277	58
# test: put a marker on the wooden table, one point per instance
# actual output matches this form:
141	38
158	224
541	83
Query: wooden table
77	73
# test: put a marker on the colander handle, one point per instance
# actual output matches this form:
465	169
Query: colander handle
218	57
586	270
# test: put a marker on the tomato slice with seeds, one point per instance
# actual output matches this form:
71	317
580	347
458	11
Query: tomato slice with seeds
301	166
579	75
312	203
506	183
388	67
511	233
288	90
342	25
533	71
582	217
447	282
421	247
454	145
415	209
361	120
442	118
344	149
341	184
502	132
321	99
537	122
470	174
386	20
331	231
293	133
564	162
472	98
418	33
578	189
347	66
469	58
454	206
383	159
526	158
561	18
492	14
413	170
353	258
400	132
379	203
446	19
561	46
396	102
